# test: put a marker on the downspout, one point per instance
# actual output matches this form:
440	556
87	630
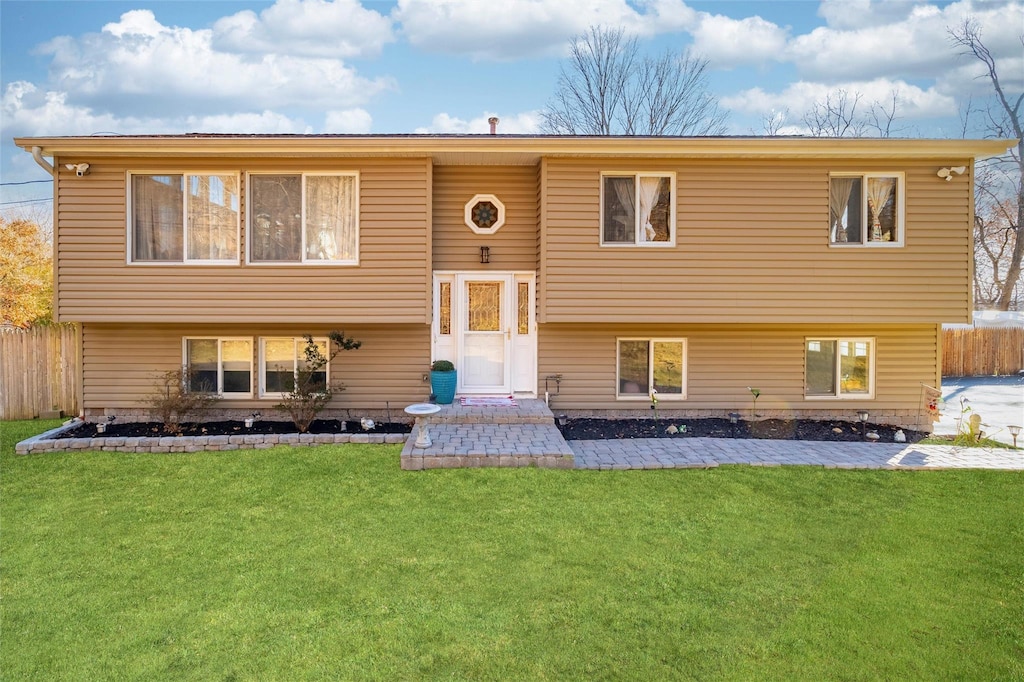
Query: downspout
37	154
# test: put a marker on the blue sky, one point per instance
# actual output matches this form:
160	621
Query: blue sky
314	66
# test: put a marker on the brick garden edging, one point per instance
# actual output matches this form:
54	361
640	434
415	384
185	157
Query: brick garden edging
45	442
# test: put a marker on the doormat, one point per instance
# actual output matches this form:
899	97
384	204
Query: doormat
487	402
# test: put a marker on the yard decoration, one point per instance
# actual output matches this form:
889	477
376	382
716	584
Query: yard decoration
442	381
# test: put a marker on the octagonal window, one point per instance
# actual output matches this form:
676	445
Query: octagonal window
485	214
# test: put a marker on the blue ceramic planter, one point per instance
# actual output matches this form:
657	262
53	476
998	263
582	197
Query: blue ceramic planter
442	385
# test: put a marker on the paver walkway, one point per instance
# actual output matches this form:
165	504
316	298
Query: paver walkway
526	436
666	453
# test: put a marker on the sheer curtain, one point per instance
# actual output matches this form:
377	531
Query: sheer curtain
157	217
838	200
880	190
213	217
330	217
625	192
649	192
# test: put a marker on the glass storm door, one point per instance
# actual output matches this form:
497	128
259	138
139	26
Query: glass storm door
484	326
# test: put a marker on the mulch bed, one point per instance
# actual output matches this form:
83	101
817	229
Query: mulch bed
228	428
776	429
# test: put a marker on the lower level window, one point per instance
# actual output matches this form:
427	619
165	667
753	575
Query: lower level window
280	361
221	366
646	366
839	368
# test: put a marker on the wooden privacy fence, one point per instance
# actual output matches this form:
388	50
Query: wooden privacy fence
38	371
982	351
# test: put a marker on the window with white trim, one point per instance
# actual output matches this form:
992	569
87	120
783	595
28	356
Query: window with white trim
304	218
839	368
648	365
866	209
183	218
280	360
215	365
638	209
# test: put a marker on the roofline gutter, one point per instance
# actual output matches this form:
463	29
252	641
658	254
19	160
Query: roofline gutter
37	154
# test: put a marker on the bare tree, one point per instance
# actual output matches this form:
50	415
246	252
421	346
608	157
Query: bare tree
835	116
1003	121
882	114
773	121
606	87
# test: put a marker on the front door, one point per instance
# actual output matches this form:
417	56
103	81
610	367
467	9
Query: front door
483	322
485	333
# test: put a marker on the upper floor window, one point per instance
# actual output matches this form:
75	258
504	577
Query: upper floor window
638	209
184	218
304	218
866	209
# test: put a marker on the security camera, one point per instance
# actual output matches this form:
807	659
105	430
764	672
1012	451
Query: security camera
81	169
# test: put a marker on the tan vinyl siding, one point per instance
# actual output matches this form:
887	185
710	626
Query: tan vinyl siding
723	360
513	246
388	285
121	362
752	246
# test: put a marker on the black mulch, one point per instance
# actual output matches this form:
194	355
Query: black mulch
229	428
777	429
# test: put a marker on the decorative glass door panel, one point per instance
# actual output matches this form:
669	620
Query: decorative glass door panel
484	337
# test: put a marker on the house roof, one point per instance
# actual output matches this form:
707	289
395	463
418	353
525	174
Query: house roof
510	149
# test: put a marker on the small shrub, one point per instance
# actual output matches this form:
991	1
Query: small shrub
306	397
178	395
442	366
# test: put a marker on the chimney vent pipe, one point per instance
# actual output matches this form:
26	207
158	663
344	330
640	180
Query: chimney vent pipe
493	120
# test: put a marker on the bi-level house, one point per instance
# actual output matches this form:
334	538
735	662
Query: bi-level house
818	271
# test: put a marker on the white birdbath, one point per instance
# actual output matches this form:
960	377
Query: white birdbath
422	412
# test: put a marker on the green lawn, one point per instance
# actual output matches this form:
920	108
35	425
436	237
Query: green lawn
331	563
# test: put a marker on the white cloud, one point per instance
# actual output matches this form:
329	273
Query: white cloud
348	121
914	102
485	29
141	64
31	112
854	14
313	28
727	42
908	44
527	122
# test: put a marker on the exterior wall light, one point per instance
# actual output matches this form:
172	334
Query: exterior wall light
485	254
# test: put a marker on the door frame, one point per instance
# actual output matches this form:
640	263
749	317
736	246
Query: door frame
520	349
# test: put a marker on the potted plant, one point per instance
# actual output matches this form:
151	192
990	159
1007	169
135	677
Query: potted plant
442	381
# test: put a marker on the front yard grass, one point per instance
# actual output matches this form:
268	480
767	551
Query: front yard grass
331	563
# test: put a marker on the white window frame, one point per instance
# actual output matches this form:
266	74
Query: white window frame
900	217
220	361
498	205
302	221
651	340
837	377
299	343
130	195
636	243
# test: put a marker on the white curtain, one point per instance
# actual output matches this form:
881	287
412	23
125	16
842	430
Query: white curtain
879	192
649	191
838	200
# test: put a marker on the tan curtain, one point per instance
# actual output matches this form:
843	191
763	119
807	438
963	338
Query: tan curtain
157	220
880	190
649	191
330	217
838	199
